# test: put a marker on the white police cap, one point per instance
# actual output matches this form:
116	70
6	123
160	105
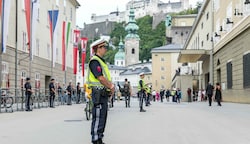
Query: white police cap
142	73
97	43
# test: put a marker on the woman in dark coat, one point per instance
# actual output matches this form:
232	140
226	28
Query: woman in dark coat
218	95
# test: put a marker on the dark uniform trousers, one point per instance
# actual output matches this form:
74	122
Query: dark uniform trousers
51	99
27	103
141	97
210	99
99	115
127	99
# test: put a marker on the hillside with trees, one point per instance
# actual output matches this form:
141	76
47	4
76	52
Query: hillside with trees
149	38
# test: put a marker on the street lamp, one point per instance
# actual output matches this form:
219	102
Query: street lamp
96	33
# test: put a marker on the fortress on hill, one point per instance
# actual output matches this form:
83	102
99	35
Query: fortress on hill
142	8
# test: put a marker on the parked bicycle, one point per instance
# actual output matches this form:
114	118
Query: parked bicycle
6	100
88	109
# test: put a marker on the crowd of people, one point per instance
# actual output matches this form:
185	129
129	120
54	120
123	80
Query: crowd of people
100	90
65	93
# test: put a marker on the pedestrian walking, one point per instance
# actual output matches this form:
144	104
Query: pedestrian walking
127	91
162	94
60	92
118	95
178	95
154	95
218	96
78	93
99	79
209	92
28	93
69	93
52	92
141	91
168	94
189	93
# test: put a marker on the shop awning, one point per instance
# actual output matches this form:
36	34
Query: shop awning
192	55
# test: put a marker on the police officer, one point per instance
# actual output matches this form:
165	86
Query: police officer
78	93
141	90
99	79
52	92
28	92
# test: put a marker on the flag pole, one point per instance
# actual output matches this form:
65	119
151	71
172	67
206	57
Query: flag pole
52	39
30	42
1	51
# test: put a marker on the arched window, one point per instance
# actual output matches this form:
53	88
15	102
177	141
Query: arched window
133	51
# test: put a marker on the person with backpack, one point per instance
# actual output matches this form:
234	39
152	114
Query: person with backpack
127	91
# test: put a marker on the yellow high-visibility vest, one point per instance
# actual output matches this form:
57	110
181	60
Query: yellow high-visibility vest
91	79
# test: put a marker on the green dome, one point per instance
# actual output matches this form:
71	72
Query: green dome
132	27
120	55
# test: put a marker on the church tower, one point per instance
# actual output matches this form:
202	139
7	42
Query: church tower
131	40
185	4
120	55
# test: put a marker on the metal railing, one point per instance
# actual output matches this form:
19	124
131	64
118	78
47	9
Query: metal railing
39	99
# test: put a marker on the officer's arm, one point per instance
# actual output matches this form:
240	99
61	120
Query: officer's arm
105	82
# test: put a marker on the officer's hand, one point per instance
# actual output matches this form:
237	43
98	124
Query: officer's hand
112	89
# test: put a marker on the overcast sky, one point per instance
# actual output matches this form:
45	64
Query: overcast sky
103	7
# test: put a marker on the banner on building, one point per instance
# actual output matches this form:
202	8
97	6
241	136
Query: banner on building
84	41
63	47
53	17
5	7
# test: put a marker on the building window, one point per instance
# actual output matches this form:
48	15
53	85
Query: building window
202	44
37	47
202	25
37	76
48	51
229	75
133	51
246	71
23	74
207	15
162	68
57	3
183	23
38	14
24	42
208	37
162	87
162	77
64	6
216	5
162	59
23	5
71	14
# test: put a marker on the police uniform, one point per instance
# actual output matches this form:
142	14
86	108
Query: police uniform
100	93
28	93
141	91
52	93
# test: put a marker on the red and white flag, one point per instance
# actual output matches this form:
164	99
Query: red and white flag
84	41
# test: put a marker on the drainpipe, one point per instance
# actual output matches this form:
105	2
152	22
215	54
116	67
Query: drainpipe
211	69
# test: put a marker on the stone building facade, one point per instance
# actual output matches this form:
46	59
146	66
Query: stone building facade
16	62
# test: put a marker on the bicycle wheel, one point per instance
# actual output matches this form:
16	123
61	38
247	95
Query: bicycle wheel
87	111
2	103
9	102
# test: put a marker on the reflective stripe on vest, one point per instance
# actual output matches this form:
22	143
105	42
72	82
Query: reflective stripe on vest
143	85
91	80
